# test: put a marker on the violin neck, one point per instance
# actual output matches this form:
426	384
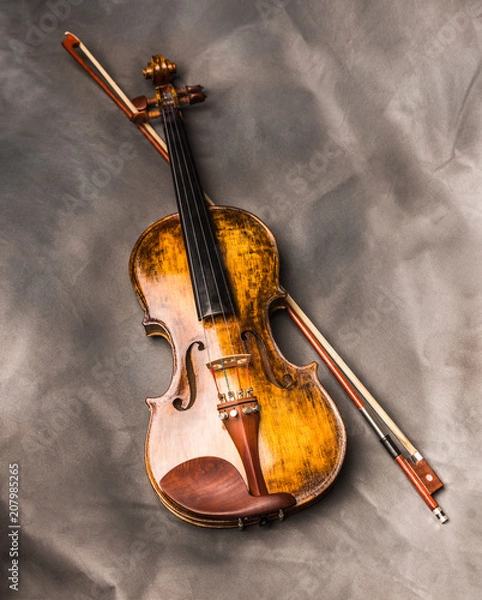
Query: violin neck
208	275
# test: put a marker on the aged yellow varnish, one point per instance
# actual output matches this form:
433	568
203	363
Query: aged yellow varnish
301	435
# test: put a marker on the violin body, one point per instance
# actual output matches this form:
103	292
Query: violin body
287	459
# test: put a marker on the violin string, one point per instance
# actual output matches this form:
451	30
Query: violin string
174	127
173	153
192	183
195	187
226	284
189	179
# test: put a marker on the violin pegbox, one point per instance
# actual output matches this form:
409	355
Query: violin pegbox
161	71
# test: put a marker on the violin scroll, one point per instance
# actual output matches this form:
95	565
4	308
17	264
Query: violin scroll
160	70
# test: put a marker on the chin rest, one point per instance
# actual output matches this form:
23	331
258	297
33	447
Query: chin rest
213	487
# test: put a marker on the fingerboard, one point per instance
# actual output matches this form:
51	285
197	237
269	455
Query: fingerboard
210	284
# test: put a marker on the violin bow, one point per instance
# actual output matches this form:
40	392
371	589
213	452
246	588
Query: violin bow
413	465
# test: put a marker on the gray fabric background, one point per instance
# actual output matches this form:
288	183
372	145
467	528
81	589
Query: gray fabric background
354	130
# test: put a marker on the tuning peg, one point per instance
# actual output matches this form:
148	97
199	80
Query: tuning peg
147	107
191	94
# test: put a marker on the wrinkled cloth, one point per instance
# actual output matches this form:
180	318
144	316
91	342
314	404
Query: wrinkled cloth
354	131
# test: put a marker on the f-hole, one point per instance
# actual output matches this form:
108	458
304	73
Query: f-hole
191	379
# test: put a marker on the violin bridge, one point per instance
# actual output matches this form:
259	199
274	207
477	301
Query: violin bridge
231	374
228	362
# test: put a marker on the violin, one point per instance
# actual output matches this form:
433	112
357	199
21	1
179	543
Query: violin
241	436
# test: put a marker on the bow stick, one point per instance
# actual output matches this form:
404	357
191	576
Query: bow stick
415	467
